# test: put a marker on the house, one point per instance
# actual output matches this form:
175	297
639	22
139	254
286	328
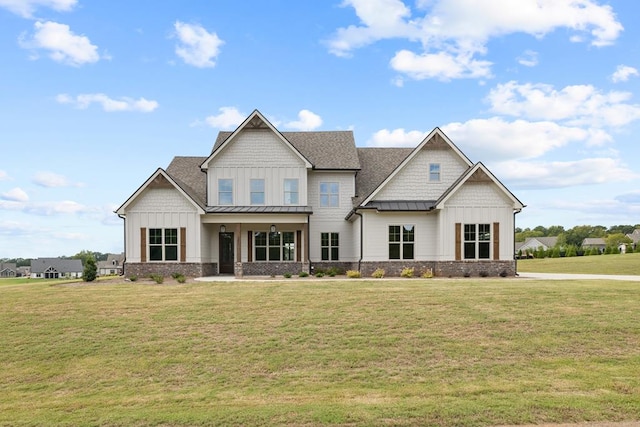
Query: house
266	202
54	268
594	242
112	266
532	244
635	237
24	271
8	269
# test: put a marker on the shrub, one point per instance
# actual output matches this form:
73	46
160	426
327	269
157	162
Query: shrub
320	274
303	274
378	274
179	277
503	273
484	274
133	278
428	273
287	275
90	271
353	274
407	272
332	272
158	278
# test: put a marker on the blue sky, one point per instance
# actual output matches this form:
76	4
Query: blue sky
95	95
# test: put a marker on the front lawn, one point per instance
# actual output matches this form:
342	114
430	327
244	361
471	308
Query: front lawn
470	352
625	264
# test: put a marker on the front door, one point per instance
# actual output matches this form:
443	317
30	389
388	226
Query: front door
226	253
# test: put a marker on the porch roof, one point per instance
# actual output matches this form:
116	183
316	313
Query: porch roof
259	209
400	205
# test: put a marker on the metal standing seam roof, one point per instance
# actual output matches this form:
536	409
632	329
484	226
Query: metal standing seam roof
260	209
401	205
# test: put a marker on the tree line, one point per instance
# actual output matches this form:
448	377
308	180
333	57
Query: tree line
613	236
83	255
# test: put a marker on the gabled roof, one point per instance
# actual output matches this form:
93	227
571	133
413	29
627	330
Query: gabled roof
40	265
255	121
161	177
481	173
376	165
593	241
436	138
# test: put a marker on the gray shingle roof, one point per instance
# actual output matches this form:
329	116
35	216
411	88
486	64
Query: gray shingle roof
40	265
324	150
187	173
375	166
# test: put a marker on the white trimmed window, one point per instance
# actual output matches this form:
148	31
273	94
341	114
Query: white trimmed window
401	241
257	191
163	244
329	194
291	191
225	191
330	246
434	171
477	241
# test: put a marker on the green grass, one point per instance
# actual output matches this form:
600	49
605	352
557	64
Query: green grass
353	352
625	264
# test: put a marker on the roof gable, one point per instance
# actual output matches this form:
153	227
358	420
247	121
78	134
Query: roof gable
478	173
255	121
161	179
436	140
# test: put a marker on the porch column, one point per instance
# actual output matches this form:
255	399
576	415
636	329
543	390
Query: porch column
305	248
237	268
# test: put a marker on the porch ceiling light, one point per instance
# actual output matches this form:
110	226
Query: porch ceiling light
273	228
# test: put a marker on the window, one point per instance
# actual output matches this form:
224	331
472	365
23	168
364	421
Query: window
329	246
225	191
290	191
477	241
163	244
401	241
434	171
329	194
257	191
278	246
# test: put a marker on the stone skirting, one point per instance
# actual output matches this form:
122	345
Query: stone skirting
271	268
341	267
443	268
166	269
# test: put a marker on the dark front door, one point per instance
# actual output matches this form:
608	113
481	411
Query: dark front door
226	253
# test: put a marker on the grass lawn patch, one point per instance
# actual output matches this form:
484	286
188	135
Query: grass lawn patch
624	264
359	352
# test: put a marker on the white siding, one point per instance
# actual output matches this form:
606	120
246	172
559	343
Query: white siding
332	220
162	208
376	234
477	203
257	154
412	181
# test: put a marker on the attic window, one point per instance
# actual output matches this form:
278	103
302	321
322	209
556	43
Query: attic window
434	171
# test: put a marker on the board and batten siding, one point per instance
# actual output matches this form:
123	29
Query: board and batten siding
257	154
478	203
332	219
376	234
412	181
162	208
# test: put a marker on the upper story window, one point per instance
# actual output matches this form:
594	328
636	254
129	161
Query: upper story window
477	241
163	244
401	241
329	194
225	191
434	171
257	191
291	192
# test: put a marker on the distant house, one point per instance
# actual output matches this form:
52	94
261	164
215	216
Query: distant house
594	242
534	243
112	266
24	271
635	237
8	269
54	268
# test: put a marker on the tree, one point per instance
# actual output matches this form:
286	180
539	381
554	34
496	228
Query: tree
90	271
616	239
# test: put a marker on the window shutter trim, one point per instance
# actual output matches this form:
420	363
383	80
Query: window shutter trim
143	245
183	244
250	246
458	241
496	241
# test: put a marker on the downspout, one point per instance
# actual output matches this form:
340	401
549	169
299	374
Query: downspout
361	238
515	258
124	239
307	239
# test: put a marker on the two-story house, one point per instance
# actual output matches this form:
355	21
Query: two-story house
266	202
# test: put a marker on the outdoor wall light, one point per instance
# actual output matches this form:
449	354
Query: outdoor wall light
273	228
223	228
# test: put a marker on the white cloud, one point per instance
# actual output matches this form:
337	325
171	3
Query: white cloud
197	46
15	195
396	138
454	32
55	208
529	58
83	101
4	176
229	118
497	139
577	105
623	73
53	180
62	44
26	8
563	174
307	120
